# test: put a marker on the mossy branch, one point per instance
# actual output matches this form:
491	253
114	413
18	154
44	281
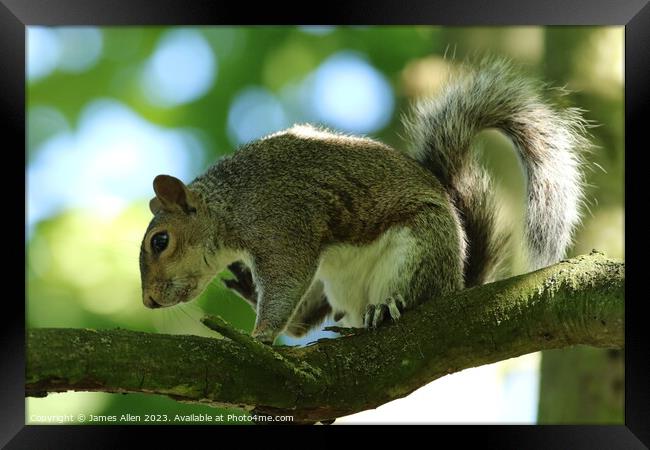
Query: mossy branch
576	302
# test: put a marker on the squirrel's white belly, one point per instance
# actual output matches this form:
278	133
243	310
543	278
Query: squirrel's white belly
356	276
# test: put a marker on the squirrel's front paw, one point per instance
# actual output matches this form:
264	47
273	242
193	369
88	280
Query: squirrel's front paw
375	314
243	283
264	334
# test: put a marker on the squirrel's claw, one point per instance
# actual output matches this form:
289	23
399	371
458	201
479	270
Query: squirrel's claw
375	314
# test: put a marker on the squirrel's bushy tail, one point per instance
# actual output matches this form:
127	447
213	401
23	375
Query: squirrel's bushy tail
549	143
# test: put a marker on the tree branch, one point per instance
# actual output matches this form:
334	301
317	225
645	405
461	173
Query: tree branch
578	301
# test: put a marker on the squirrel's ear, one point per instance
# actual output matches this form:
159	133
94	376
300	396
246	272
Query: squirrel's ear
155	205
172	194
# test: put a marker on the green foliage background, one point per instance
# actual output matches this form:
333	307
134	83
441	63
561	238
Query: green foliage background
83	269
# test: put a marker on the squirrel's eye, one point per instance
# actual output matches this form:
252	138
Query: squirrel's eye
159	241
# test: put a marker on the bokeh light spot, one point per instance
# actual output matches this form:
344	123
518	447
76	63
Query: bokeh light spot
110	160
254	113
182	69
68	49
43	48
319	30
349	94
44	122
81	48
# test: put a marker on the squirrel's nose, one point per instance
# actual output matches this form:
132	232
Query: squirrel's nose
152	303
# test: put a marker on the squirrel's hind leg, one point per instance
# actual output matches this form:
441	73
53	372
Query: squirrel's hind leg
425	265
311	312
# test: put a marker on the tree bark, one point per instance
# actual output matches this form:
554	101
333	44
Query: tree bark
577	301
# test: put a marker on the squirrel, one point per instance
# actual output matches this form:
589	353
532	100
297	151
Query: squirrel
316	224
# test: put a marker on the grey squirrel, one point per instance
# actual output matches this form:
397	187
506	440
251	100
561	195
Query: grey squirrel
316	224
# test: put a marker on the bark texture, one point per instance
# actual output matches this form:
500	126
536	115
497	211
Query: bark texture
576	302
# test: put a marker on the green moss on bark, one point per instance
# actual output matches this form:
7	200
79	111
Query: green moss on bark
578	301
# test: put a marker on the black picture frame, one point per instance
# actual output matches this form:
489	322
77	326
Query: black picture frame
15	15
